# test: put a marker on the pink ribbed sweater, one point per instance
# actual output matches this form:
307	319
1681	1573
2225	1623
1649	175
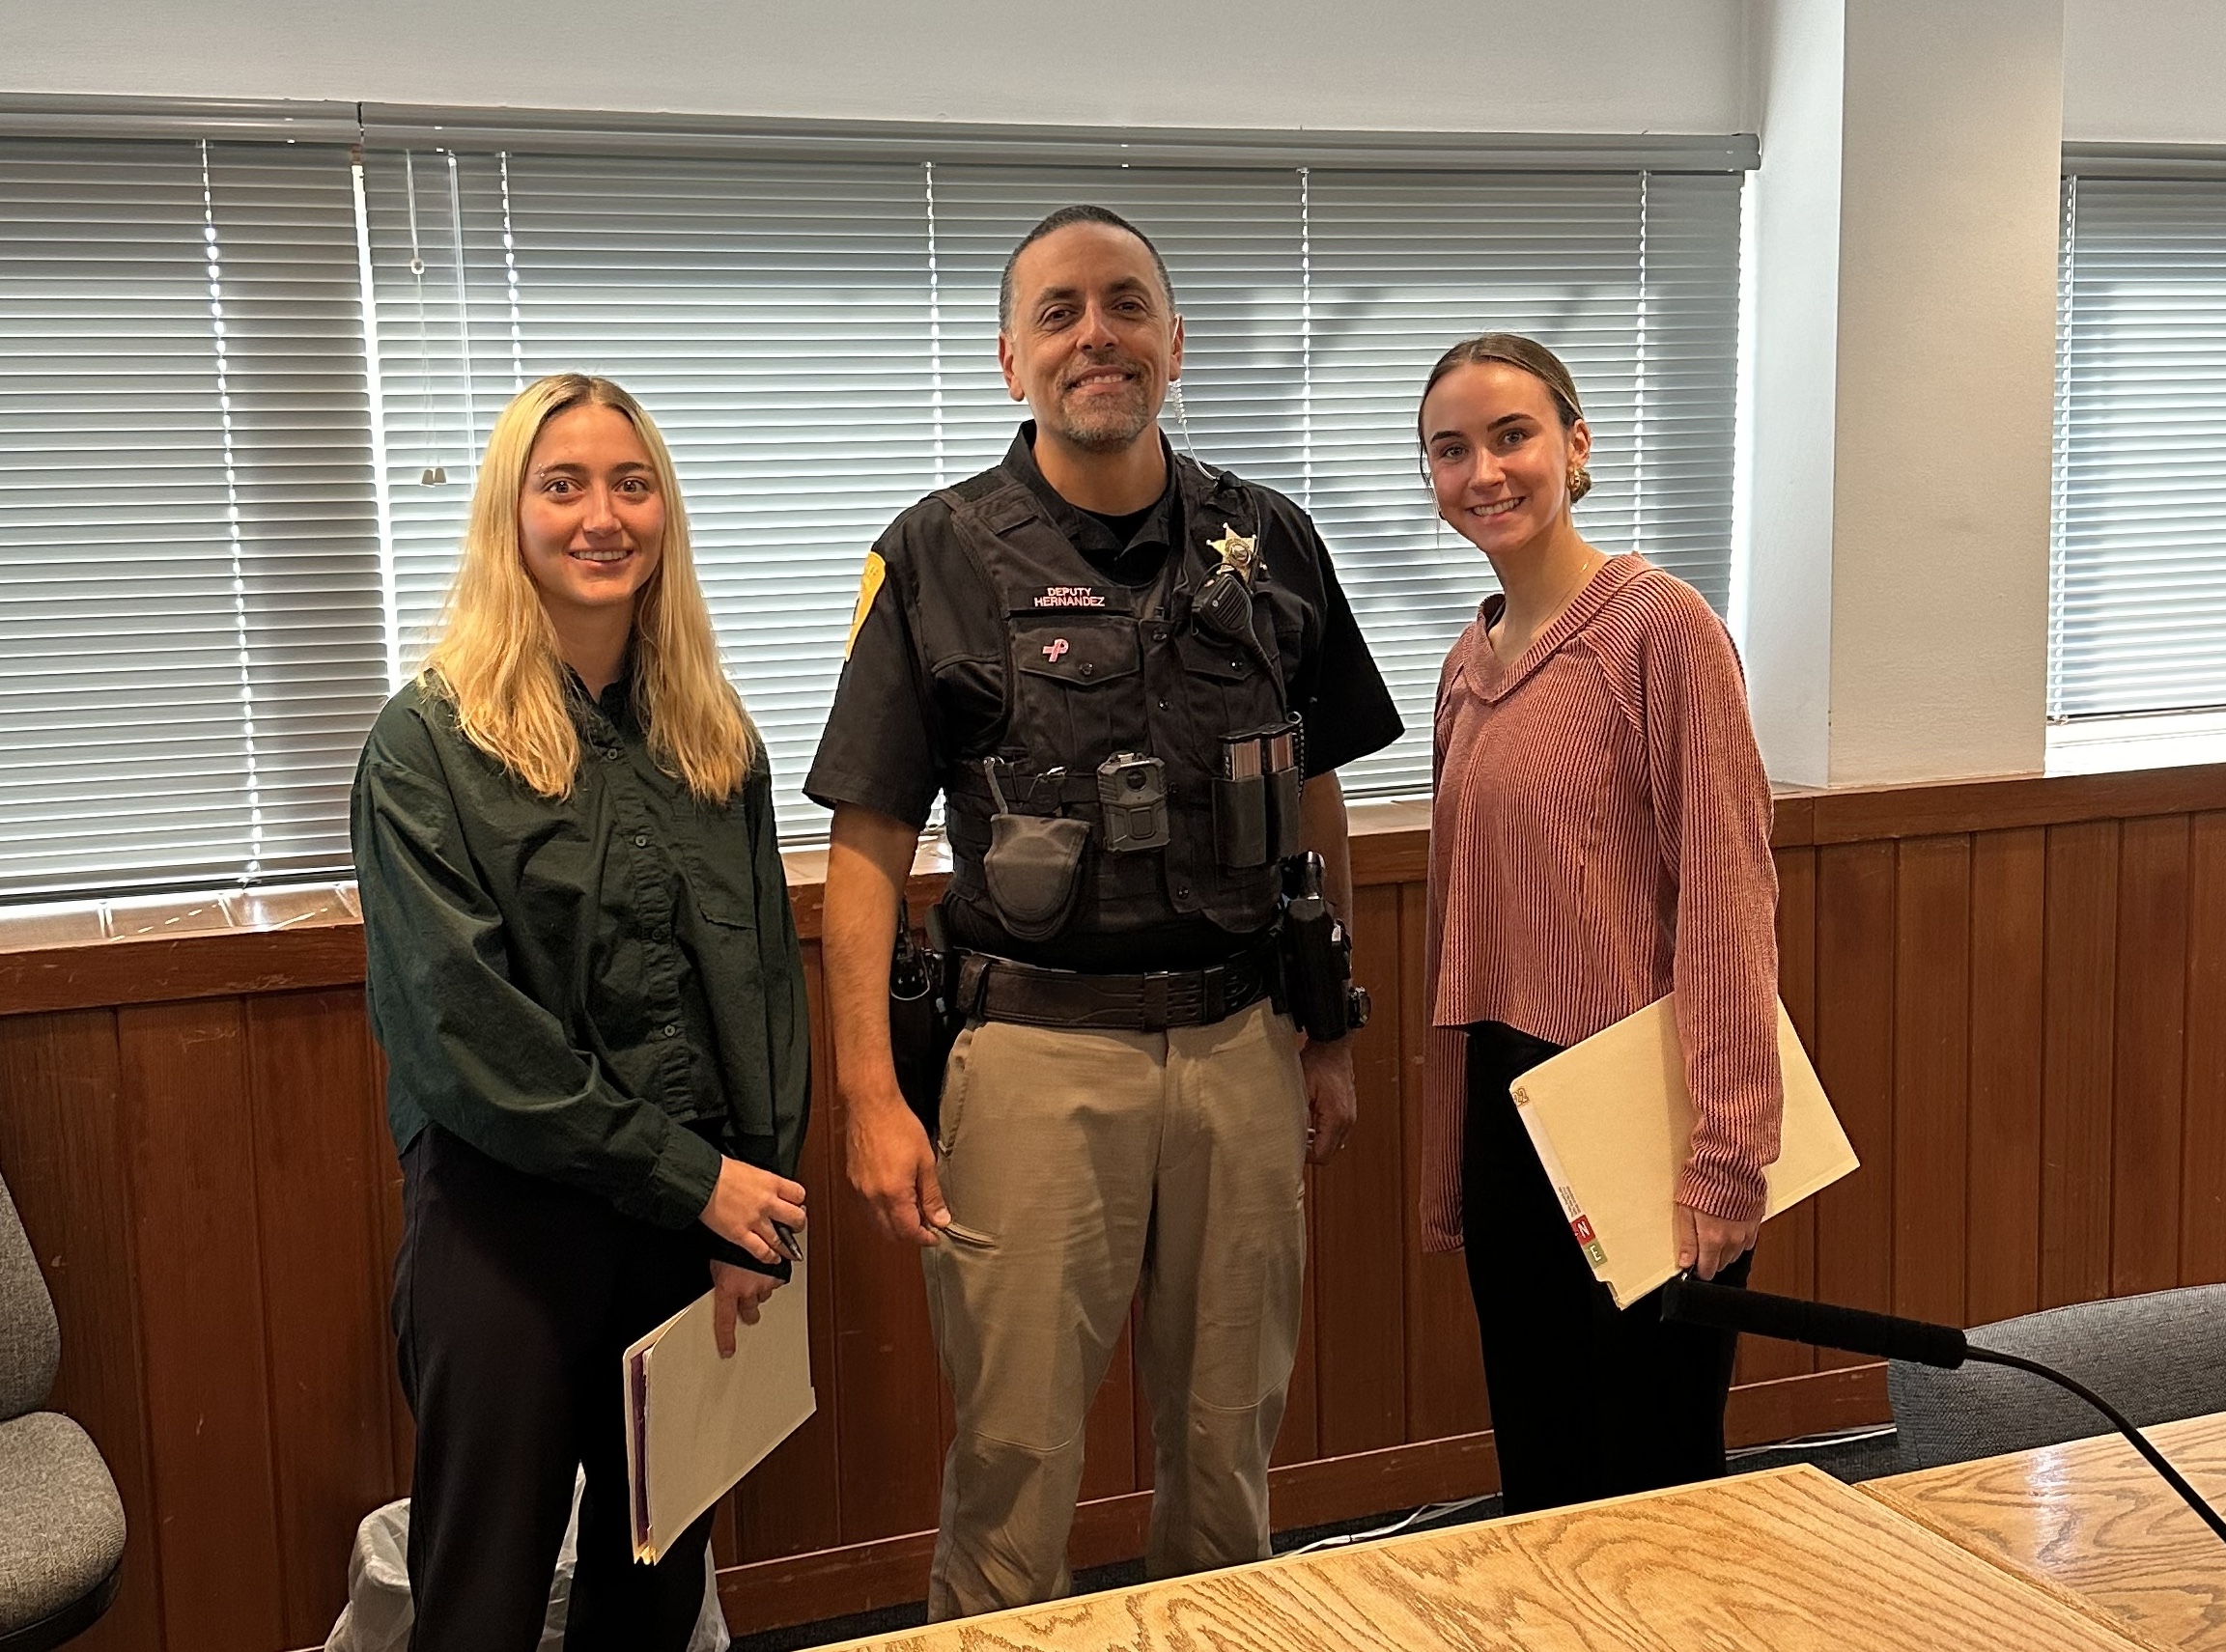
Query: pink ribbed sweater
1600	834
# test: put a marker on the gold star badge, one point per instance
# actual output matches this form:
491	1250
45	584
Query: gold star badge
1236	551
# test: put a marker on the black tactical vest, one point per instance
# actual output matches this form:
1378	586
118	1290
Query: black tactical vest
1095	668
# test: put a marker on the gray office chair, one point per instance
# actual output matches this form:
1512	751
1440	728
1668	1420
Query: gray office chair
61	1520
2156	1357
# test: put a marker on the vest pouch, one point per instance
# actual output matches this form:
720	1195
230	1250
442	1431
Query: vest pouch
1033	872
1284	812
1241	821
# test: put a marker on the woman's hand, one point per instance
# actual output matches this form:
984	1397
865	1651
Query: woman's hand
747	1202
1707	1244
737	1293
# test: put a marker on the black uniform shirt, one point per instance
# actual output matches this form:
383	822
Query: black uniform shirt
923	685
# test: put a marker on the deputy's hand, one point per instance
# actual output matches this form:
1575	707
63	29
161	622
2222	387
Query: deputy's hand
747	1202
1330	1106
892	1166
1707	1244
736	1293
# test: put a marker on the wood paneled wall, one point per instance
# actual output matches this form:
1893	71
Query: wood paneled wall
2013	991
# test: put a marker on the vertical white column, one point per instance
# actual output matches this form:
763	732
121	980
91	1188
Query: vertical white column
1793	285
1905	239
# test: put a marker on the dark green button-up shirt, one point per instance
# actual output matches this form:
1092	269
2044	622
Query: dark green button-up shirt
594	990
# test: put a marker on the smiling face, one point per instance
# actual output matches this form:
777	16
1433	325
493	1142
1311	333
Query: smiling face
590	515
1499	455
1093	340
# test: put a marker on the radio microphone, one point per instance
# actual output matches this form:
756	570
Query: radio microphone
1688	1301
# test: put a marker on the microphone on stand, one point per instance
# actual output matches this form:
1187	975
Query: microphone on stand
1688	1301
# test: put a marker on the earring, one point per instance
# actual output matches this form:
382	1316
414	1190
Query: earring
1580	483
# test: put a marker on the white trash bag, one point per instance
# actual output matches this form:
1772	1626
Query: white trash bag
376	1617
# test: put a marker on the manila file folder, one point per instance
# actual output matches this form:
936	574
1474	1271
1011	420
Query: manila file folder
1613	1122
695	1424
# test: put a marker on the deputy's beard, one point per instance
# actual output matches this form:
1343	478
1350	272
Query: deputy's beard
1105	424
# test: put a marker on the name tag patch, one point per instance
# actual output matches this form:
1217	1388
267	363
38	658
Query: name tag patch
1069	596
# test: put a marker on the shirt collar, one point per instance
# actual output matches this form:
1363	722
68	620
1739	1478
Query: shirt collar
616	702
1083	531
1495	681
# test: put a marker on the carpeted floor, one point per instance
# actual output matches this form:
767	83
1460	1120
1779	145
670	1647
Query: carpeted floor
1858	1457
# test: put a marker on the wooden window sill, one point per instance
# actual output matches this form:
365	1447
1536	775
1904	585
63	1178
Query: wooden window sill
156	949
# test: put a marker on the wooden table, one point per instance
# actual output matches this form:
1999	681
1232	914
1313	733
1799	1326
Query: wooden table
1785	1562
2093	1518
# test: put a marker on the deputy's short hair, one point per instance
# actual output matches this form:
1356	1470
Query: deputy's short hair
1081	213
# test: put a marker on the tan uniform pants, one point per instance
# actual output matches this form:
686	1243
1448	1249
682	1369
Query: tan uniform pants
1079	1168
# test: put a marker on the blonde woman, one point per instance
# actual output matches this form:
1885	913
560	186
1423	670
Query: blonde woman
586	979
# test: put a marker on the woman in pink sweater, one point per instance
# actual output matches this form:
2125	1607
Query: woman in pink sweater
1600	835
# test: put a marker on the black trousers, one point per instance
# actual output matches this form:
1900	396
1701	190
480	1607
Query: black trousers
1587	1402
515	1298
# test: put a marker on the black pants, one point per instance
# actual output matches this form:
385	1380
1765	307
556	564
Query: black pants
1587	1402
514	1299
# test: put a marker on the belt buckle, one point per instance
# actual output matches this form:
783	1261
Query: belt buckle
1153	1007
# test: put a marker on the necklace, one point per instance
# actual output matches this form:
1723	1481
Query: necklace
1594	561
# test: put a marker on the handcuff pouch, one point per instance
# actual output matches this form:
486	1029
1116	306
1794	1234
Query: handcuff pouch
1033	872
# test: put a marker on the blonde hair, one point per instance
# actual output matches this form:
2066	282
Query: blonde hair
496	661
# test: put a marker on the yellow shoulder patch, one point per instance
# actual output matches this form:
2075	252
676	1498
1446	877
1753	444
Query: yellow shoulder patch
868	588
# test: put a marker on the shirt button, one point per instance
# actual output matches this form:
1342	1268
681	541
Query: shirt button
1089	670
1163	705
672	1032
611	754
1182	891
641	840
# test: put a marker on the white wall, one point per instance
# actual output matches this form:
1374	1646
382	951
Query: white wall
2145	71
1946	388
1607	66
1793	305
1904	346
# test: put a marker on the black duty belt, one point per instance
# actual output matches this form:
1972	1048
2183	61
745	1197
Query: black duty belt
998	989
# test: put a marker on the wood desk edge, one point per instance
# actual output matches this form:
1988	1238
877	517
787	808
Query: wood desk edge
2165	1435
1916	1511
1901	1493
1804	1473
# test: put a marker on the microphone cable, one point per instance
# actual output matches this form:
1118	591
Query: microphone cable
1856	1330
2118	1420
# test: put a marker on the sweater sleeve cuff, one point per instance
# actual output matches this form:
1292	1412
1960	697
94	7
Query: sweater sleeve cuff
1723	1192
680	1182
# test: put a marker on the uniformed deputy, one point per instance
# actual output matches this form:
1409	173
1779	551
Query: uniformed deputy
1112	662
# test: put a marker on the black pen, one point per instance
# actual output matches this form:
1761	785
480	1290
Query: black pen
788	1244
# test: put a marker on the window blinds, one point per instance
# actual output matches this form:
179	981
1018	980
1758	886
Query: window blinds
193	635
2138	586
1403	267
775	321
228	526
817	340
